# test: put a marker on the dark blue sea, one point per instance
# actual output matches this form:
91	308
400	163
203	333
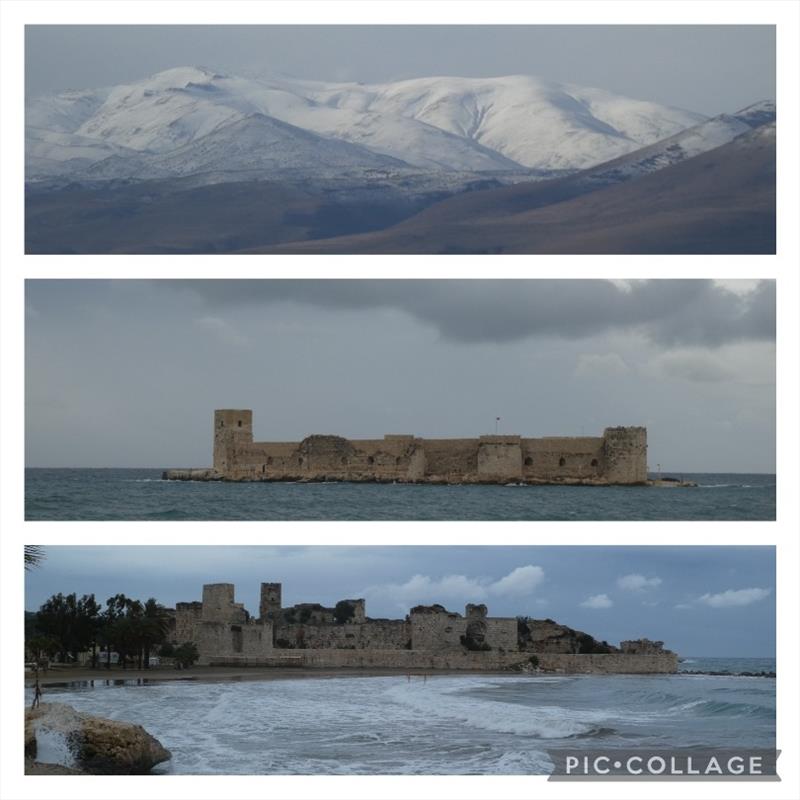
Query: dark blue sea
141	494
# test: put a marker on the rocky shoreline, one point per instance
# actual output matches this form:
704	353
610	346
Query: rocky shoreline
212	476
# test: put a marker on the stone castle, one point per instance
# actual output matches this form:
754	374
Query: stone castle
430	637
619	456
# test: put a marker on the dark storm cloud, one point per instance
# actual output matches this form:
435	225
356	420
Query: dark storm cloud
668	312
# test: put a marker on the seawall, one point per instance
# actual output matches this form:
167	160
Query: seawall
491	661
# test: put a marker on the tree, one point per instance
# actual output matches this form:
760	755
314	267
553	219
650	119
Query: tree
111	630
186	654
344	612
34	555
69	621
155	627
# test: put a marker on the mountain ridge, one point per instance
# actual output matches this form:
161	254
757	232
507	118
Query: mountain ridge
512	123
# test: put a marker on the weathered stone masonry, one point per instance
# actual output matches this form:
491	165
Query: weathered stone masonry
619	456
430	637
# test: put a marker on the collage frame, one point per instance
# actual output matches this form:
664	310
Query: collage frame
16	268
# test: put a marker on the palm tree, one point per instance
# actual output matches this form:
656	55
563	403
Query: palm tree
155	627
34	555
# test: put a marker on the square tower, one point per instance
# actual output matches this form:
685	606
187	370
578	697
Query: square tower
233	428
270	605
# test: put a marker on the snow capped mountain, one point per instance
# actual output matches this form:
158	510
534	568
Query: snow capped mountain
254	143
698	139
536	123
194	119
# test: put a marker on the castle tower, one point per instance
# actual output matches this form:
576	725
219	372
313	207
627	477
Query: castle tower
233	428
217	602
625	454
270	605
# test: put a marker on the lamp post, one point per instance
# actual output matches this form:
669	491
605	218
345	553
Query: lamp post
496	422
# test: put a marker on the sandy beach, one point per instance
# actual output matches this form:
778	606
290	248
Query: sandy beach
59	676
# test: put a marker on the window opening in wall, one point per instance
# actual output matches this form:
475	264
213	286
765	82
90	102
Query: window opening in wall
528	461
594	462
370	460
562	461
239	424
222	423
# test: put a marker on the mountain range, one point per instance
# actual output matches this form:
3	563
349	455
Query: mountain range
300	165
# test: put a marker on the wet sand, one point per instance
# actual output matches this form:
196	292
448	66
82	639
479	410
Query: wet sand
60	677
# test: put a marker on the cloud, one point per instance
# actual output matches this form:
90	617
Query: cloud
595	364
222	330
699	366
598	601
733	598
424	589
669	313
636	583
521	581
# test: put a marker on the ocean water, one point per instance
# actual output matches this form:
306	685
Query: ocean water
734	666
128	494
445	724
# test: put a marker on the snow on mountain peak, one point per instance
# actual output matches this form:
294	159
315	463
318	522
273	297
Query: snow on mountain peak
440	123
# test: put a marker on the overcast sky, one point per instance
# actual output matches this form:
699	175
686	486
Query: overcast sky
703	601
127	373
709	69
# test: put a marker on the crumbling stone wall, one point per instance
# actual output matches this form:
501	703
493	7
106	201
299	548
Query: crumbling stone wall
373	634
430	637
219	605
618	456
187	615
433	628
221	627
547	636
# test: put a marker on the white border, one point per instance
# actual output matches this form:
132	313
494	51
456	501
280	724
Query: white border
15	267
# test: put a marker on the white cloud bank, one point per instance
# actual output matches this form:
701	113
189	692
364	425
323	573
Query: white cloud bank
734	597
424	589
598	601
636	582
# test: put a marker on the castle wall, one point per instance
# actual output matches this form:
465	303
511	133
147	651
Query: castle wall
619	456
224	640
499	458
626	454
436	630
493	660
429	638
219	605
375	634
187	615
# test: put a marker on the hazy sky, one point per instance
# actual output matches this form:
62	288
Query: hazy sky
709	69
128	373
705	601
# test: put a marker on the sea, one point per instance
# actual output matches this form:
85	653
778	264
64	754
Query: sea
429	725
141	494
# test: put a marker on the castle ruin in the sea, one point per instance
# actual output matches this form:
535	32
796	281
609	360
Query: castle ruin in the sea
430	637
619	456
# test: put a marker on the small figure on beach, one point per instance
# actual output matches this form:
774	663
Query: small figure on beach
37	690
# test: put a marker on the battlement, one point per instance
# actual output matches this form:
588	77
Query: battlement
619	456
